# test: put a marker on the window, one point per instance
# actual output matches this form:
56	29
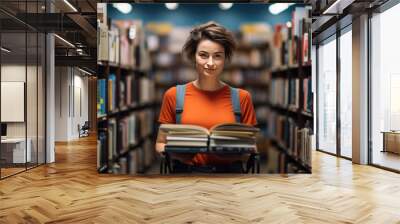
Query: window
346	93
385	85
22	75
327	96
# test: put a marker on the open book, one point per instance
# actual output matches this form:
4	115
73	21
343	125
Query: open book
227	137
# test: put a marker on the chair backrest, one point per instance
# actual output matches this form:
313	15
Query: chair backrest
86	125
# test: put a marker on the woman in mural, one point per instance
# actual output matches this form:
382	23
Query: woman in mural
207	100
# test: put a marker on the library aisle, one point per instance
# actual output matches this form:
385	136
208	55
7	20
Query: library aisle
71	191
140	59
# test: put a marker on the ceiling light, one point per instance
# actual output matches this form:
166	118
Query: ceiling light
70	5
277	8
123	7
84	71
225	6
338	6
171	6
65	41
5	50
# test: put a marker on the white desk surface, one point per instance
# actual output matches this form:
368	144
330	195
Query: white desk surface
13	140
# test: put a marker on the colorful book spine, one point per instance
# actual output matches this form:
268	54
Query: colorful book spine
101	97
112	92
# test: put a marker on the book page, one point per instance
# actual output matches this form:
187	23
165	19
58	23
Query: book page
234	127
184	128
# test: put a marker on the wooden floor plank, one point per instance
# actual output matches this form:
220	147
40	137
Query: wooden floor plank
71	191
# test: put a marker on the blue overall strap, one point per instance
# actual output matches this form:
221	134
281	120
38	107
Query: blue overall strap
236	104
180	98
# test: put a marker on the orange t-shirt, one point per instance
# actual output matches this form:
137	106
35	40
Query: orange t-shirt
206	109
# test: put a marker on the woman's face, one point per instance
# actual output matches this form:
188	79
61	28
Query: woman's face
210	58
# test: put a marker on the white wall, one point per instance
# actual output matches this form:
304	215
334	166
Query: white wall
80	110
61	103
71	93
33	127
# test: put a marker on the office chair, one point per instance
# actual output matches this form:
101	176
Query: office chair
84	130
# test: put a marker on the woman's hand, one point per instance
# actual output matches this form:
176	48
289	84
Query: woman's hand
161	141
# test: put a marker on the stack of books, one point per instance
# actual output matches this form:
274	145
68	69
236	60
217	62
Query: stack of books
185	138
228	137
233	137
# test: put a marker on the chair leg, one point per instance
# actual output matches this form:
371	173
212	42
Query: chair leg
253	163
162	166
250	164
167	164
257	161
243	170
167	168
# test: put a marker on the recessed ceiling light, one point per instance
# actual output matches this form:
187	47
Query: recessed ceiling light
123	7
5	50
84	71
338	6
65	41
171	6
225	6
70	5
277	8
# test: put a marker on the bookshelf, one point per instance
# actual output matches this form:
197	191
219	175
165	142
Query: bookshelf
291	117
126	129
290	101
125	99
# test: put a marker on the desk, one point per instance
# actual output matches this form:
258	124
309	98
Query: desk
13	150
391	141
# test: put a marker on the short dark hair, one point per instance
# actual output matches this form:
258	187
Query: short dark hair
209	31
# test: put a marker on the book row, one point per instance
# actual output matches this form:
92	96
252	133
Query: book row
253	58
123	42
292	41
124	133
236	77
133	90
136	161
295	140
291	93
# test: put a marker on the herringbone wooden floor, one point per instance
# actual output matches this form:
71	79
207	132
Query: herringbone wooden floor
71	191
